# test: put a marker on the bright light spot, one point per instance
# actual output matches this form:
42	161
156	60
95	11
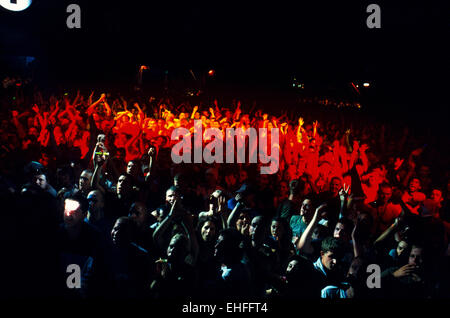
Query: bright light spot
17	5
366	84
211	72
71	206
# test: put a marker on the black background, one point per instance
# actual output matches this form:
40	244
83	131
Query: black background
256	43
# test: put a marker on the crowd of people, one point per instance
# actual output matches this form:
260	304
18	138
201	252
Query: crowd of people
90	181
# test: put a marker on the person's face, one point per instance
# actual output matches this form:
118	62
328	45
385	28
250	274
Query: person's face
96	202
117	233
242	221
242	176
329	260
208	231
178	182
340	232
416	256
123	185
72	213
355	268
306	208
171	196
256	221
85	181
436	196
335	186
230	179
401	247
292	267
276	229
175	249
132	168
414	185
41	181
385	194
284	188
33	132
139	215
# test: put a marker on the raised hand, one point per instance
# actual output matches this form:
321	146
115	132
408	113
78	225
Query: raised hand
245	229
320	211
239	197
406	270
398	163
343	193
152	151
221	204
363	148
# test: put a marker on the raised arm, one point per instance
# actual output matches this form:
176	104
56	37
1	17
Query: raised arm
304	243
161	232
100	157
232	218
388	232
356	240
91	108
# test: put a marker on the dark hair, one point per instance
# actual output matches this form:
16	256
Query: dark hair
284	223
87	171
174	189
127	225
331	244
203	220
348	224
136	162
384	185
